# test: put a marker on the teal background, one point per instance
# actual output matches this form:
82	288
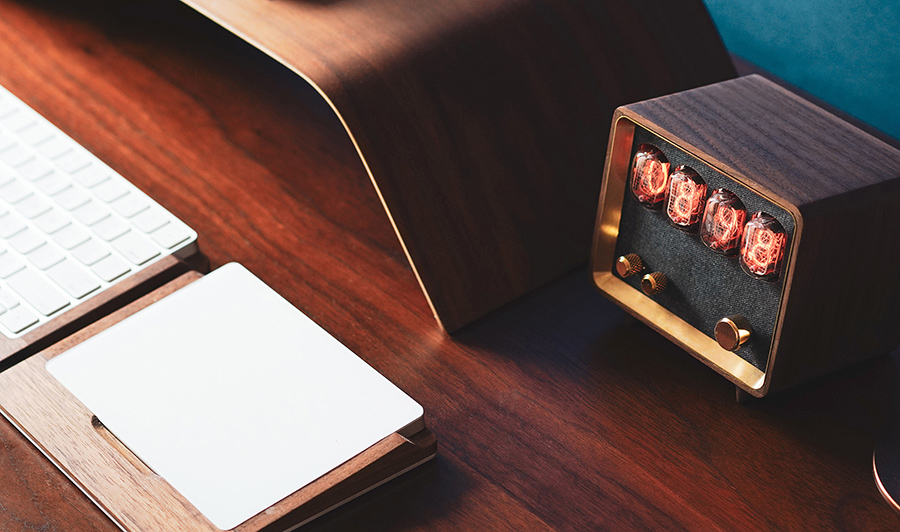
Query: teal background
844	52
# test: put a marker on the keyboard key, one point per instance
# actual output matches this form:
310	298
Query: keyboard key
26	240
45	256
55	147
170	235
130	205
52	221
150	220
43	296
52	184
74	161
37	133
18	319
73	279
6	140
34	169
8	300
70	236
33	206
6	175
135	248
89	213
14	191
90	252
110	190
9	264
7	106
16	155
93	175
18	120
10	224
110	228
110	268
71	198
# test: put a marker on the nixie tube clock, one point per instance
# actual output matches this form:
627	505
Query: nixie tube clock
730	220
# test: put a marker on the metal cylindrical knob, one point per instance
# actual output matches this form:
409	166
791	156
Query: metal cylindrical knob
732	332
654	283
628	265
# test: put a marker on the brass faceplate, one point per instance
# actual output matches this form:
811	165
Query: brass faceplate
699	343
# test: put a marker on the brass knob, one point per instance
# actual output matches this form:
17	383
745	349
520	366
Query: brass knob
654	283
628	265
732	332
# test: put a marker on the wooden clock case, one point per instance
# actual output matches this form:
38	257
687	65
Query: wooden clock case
839	297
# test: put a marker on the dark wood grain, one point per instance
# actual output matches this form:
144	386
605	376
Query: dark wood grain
556	413
841	301
480	121
791	147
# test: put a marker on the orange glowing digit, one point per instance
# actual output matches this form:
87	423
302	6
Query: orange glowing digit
723	222
653	179
726	224
683	202
763	246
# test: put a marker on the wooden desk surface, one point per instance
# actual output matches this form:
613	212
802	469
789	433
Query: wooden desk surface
556	413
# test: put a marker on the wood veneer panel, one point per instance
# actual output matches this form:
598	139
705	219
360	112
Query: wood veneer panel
482	122
841	186
752	127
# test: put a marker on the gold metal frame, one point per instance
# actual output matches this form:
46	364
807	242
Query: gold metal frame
683	334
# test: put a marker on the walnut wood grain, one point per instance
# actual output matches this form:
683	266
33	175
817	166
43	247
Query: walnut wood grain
482	122
752	127
556	413
841	185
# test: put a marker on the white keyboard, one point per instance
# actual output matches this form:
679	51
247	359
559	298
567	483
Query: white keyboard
70	226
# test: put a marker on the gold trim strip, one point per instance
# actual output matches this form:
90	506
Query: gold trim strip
680	332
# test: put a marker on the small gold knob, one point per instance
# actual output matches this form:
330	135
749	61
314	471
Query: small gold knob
654	283
628	265
732	332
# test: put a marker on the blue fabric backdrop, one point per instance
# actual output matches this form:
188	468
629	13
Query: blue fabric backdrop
846	52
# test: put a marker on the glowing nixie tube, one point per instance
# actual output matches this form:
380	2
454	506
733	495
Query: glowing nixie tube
762	247
687	192
650	176
723	222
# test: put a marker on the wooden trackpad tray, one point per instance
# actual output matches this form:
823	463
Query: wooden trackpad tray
215	407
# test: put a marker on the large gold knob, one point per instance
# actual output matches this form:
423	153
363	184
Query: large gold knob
732	332
628	265
654	283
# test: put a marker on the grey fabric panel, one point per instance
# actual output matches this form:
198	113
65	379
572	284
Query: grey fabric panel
703	286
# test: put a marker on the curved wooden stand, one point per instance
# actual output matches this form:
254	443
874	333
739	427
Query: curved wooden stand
483	123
